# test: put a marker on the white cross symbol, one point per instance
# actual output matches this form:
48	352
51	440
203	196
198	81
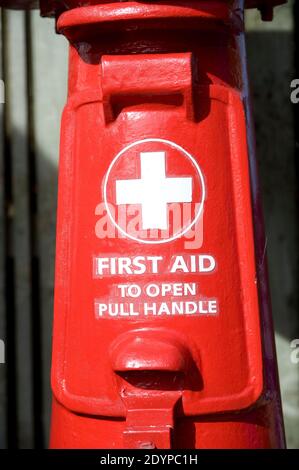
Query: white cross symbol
154	191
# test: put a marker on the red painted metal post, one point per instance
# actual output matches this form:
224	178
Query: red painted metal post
162	332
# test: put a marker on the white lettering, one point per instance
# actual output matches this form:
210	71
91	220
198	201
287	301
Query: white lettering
207	264
193	264
157	309
179	265
123	266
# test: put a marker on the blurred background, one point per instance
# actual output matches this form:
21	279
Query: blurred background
33	65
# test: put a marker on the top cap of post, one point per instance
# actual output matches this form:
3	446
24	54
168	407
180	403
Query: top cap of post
56	7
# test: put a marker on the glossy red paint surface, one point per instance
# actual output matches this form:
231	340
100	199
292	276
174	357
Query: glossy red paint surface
162	331
230	243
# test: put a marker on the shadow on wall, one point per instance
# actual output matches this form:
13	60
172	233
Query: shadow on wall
29	309
271	70
28	295
272	67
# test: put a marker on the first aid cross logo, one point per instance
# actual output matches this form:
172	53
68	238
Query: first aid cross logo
153	203
154	175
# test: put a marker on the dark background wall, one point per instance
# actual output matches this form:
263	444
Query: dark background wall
272	66
33	64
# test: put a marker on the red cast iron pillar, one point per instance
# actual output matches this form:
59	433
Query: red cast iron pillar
162	332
